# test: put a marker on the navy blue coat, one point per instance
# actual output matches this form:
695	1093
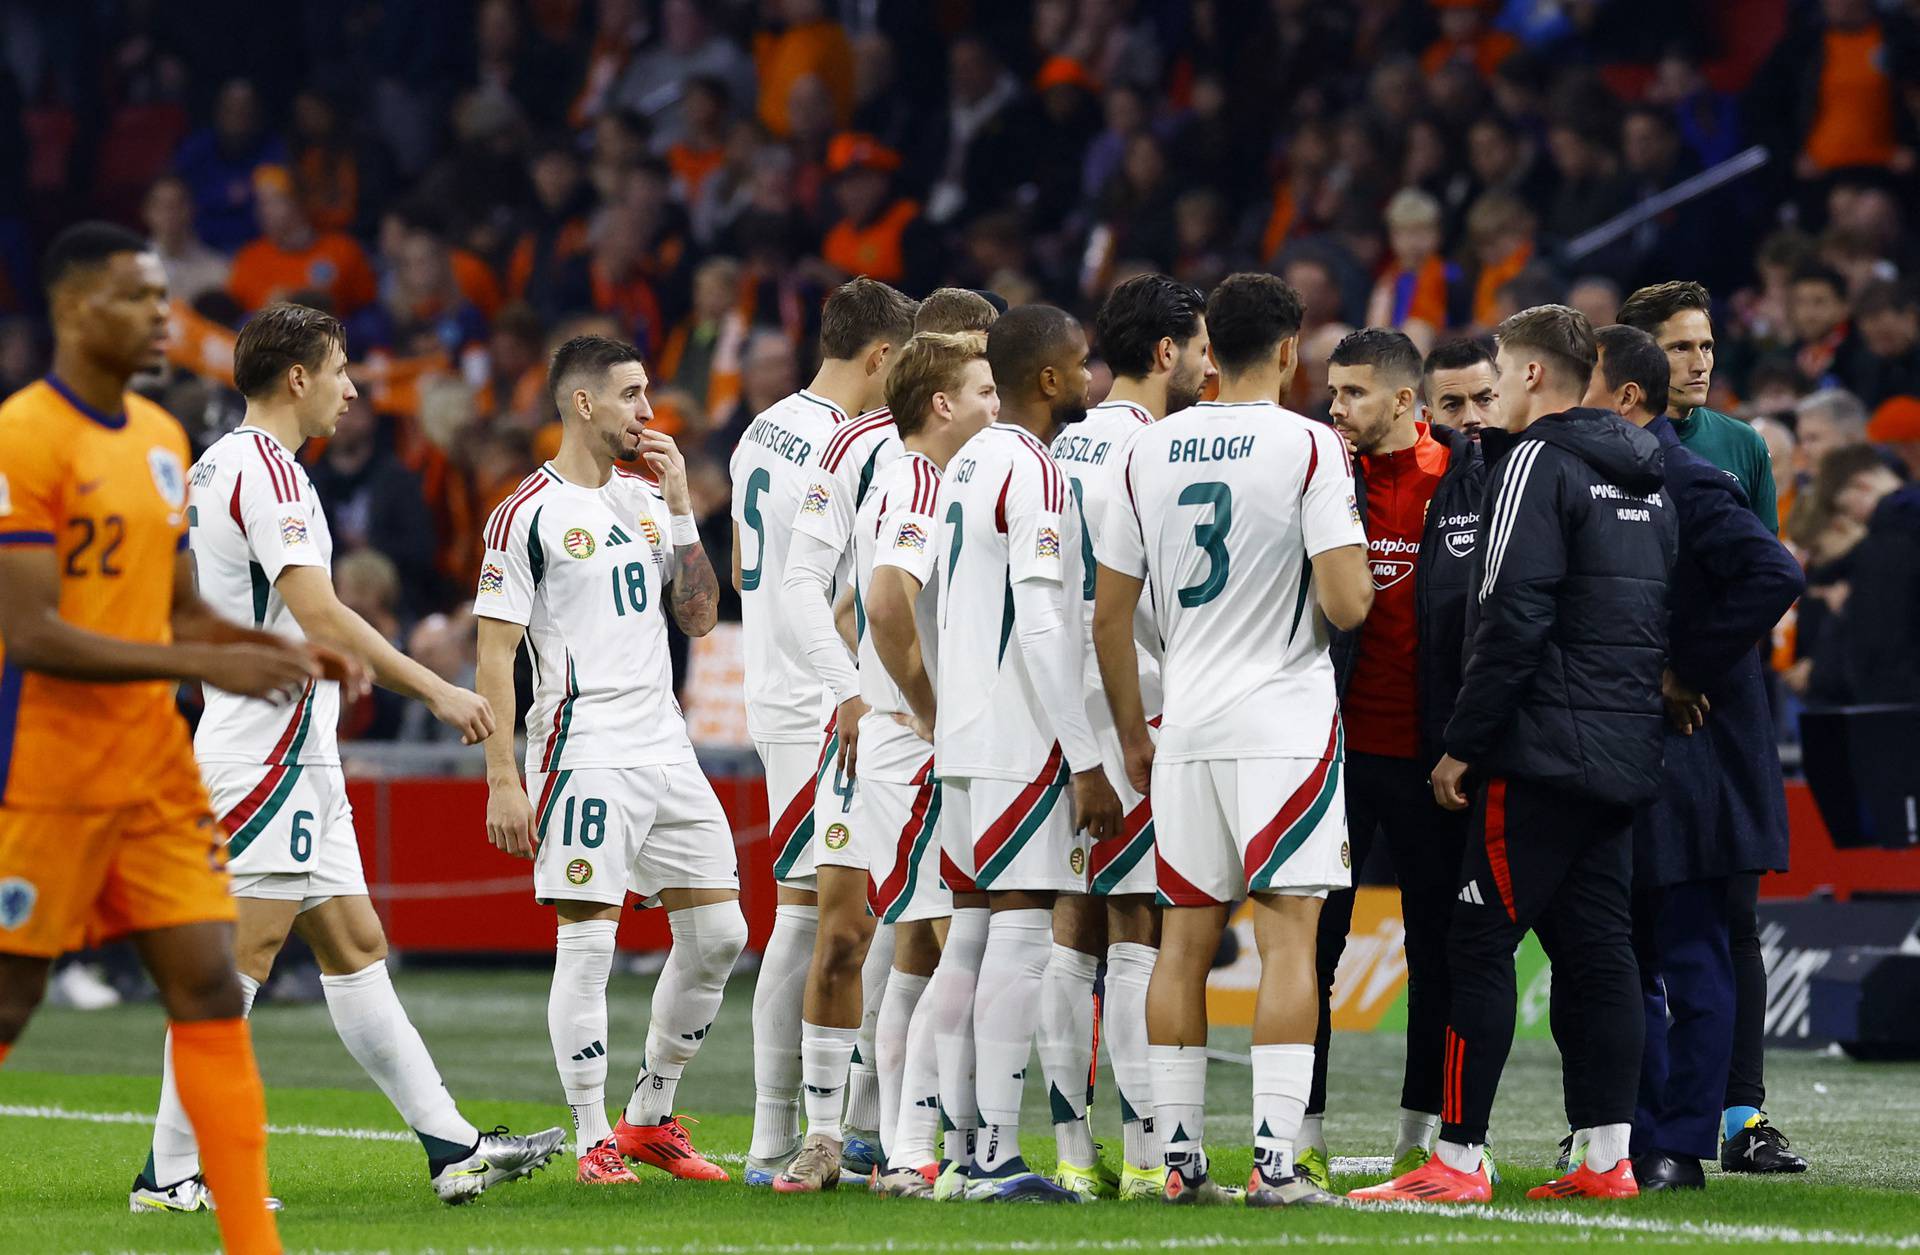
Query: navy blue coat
1720	808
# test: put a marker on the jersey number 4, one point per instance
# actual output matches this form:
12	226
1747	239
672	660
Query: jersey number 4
1211	536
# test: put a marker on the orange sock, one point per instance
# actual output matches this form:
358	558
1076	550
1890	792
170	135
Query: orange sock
219	1086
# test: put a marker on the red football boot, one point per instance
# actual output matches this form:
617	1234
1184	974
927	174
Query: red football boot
1431	1182
666	1147
1584	1182
602	1165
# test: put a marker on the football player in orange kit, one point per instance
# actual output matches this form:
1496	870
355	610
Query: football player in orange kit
105	829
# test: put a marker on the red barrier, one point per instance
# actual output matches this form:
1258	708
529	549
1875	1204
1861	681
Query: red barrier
440	886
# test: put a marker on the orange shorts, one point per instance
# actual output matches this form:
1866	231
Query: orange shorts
71	879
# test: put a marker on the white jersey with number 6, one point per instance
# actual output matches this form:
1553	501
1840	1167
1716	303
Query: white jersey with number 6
1221	509
252	514
1004	518
584	571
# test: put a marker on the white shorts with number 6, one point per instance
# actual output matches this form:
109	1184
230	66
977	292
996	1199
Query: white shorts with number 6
600	832
289	832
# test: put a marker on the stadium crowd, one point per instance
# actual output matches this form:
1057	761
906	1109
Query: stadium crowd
467	185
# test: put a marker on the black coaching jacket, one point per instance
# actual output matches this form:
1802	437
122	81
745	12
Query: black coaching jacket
1567	616
1441	578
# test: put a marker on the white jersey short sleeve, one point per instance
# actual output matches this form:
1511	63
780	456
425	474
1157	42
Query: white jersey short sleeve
252	514
584	570
1003	519
1219	508
1090	453
773	472
896	528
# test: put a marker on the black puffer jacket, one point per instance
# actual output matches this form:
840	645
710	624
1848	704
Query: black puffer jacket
1567	616
1441	581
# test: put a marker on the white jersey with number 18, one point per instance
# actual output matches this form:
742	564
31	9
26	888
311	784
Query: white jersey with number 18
1221	509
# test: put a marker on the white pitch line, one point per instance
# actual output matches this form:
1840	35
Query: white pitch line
1712	1230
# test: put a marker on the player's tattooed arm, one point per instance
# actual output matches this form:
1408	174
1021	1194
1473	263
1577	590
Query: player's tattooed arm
693	590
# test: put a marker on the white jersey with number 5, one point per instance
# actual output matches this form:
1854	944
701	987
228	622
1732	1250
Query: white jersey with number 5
1004	518
584	570
1090	454
253	514
777	473
1221	508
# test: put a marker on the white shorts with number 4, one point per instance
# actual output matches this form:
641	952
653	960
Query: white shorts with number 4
1225	828
601	832
289	832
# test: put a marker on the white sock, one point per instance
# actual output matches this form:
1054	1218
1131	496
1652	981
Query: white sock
961	1145
777	995
1066	1049
893	1059
863	1079
1417	1130
706	942
825	1055
1180	1104
1282	1079
577	1024
1006	1014
1124	1016
1608	1146
1460	1156
1313	1132
176	1152
951	994
376	1031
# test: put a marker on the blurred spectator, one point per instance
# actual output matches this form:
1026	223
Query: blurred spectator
1880	641
1847	488
769	371
981	136
514	62
1849	107
1824	421
618	28
1780	459
1896	428
1467	36
1708	120
1422	287
375	503
1500	241
369	585
702	354
218	162
1886	357
422	310
447	645
1596	296
22	359
1817	310
338	180
700	149
291	256
655	86
192	267
516	360
1589	188
809	43
553	227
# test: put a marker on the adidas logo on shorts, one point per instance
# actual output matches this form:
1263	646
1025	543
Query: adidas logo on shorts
1470	892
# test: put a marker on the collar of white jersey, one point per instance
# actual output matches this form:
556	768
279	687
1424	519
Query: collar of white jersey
1137	410
839	415
250	430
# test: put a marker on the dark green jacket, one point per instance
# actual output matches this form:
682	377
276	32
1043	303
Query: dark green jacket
1736	448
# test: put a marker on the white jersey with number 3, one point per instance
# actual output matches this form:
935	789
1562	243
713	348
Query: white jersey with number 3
252	514
584	570
1221	509
1004	518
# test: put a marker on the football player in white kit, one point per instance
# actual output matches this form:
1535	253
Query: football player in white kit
806	749
580	562
1235	511
1013	729
890	840
262	555
1152	332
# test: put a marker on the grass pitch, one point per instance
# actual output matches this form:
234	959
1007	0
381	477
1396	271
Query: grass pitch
77	1095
